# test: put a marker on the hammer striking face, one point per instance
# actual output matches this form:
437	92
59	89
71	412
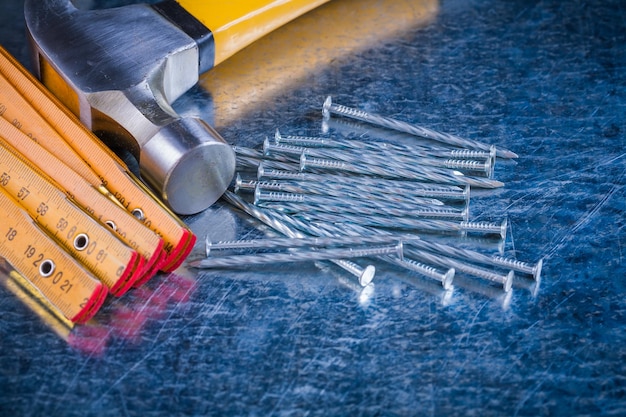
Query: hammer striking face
120	69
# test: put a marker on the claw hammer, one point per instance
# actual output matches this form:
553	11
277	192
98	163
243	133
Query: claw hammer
119	70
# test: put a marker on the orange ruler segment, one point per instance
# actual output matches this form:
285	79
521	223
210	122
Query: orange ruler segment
104	209
16	110
107	257
60	278
128	190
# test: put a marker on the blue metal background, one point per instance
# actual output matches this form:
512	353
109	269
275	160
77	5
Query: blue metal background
546	79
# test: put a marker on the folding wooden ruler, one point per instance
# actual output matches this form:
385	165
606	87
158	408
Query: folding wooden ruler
77	224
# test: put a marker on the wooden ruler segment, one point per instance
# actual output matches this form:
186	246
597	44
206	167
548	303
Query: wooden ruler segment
130	192
104	209
108	258
60	278
15	109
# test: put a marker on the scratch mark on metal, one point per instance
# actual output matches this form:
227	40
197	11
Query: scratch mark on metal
584	220
157	345
530	393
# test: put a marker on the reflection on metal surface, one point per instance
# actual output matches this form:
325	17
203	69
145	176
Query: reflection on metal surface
33	299
420	283
365	294
128	319
503	298
531	285
122	319
88	338
289	55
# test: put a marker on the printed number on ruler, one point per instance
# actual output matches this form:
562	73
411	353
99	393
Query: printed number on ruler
113	262
65	132
95	201
60	278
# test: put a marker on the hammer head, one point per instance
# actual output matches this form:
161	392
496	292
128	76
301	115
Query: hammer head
119	70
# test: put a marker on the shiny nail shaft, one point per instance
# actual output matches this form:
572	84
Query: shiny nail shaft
331	108
365	275
301	255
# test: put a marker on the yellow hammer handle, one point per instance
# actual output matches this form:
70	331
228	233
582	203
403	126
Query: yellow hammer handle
236	24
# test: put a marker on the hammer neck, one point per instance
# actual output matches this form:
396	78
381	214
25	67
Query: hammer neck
202	35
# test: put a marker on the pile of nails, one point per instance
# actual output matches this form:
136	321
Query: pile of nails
343	198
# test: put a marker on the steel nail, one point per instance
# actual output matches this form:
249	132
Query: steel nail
365	275
331	108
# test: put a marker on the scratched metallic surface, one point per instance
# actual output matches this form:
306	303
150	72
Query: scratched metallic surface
546	79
